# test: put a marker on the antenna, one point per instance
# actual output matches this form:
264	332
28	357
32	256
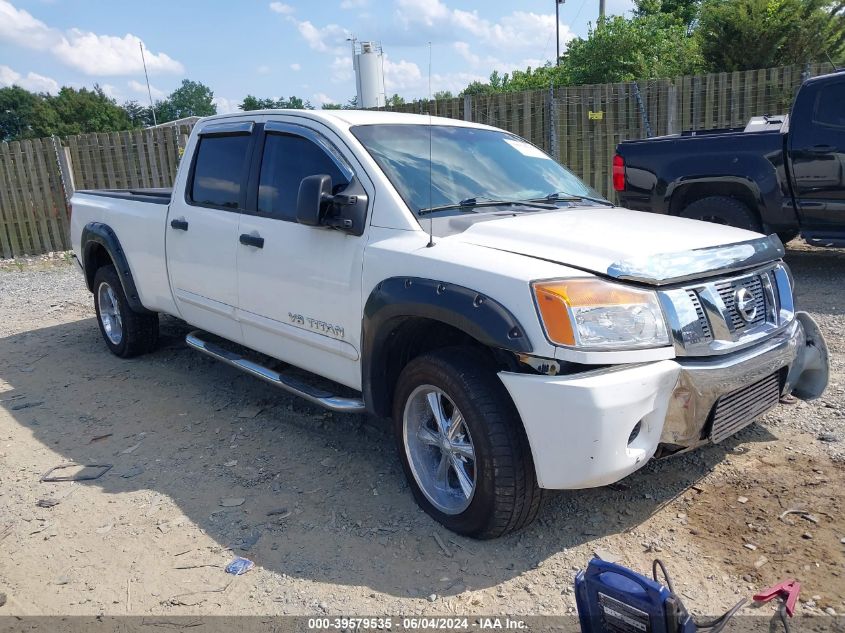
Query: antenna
149	92
430	197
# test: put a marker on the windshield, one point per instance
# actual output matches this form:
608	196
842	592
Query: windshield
467	163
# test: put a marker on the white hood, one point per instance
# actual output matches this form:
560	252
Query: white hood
604	240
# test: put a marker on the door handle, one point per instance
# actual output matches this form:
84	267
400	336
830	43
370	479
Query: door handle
252	240
180	224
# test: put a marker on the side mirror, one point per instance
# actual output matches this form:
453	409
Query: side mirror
314	193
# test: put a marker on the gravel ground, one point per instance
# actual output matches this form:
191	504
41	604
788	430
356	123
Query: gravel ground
209	464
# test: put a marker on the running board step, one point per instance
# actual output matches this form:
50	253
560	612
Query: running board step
290	384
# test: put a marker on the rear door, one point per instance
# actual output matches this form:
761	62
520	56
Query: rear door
202	229
300	286
817	153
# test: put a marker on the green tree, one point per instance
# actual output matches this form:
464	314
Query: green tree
80	112
644	47
684	10
293	103
748	34
332	106
395	100
20	110
192	98
138	115
254	103
442	95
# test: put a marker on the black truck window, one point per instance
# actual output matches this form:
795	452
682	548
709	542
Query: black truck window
830	105
287	160
218	170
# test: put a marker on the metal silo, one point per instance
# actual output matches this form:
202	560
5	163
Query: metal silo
369	73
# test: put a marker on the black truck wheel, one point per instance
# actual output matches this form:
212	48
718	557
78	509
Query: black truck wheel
787	236
462	445
723	210
126	333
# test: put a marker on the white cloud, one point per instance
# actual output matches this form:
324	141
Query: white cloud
435	20
321	98
341	69
111	92
354	4
328	39
89	52
263	69
401	76
281	7
463	50
32	82
141	88
226	106
296	67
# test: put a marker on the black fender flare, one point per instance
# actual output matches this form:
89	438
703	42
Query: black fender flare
399	298
97	233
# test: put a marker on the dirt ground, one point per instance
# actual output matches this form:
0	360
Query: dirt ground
209	464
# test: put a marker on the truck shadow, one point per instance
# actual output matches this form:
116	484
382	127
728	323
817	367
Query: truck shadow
818	271
323	495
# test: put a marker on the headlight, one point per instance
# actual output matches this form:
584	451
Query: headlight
592	313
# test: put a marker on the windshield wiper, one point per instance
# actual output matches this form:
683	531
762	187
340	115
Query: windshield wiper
470	204
564	196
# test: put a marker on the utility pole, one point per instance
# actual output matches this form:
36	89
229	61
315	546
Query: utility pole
557	29
601	11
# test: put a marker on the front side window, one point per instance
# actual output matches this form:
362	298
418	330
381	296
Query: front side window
218	170
465	163
287	160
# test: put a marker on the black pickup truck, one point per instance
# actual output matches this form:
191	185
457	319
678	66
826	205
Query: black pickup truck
779	174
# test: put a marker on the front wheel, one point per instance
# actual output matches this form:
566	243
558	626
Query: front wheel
462	445
127	333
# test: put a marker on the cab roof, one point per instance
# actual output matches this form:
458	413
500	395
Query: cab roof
349	118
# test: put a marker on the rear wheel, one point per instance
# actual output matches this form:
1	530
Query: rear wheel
723	210
127	333
462	445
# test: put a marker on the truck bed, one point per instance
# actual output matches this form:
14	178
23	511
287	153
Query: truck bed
160	195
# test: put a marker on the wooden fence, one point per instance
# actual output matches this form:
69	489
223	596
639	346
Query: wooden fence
37	178
579	125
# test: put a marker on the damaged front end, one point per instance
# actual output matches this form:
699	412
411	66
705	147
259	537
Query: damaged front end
716	397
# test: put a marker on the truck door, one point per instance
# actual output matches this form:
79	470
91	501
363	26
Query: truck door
299	286
202	229
817	155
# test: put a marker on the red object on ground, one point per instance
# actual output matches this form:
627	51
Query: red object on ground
788	590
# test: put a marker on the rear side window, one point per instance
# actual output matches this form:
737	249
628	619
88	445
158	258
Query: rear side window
218	169
287	160
830	105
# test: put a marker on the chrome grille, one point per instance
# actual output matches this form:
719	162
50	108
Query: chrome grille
727	290
703	323
705	320
739	408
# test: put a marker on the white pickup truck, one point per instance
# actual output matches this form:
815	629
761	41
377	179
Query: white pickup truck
521	332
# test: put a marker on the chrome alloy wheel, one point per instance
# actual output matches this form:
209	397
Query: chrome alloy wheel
439	449
110	313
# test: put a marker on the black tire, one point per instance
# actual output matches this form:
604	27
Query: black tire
138	331
787	236
506	496
723	210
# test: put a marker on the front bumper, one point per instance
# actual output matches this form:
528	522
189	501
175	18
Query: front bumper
596	427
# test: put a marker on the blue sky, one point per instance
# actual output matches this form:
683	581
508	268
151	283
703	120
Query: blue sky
274	49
